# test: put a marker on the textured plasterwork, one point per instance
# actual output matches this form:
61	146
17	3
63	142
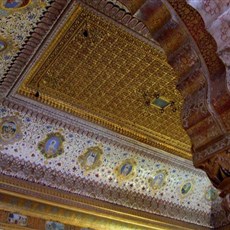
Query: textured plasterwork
26	152
15	28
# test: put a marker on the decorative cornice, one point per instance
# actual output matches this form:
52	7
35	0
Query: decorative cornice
46	207
59	192
77	125
15	169
211	150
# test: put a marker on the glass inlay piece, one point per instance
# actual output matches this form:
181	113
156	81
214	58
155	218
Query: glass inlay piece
160	103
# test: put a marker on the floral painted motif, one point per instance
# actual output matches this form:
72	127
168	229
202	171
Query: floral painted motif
91	158
10	130
17	19
210	7
52	146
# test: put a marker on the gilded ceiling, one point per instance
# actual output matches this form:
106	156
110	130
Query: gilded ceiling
98	71
63	63
99	76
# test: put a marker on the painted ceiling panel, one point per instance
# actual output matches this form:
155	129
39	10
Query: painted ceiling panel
16	24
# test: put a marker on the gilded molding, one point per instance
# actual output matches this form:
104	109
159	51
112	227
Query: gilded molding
109	196
87	208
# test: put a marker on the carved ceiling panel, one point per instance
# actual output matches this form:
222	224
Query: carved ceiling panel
98	71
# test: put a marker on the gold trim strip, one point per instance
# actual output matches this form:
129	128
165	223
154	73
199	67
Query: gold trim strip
5	226
94	208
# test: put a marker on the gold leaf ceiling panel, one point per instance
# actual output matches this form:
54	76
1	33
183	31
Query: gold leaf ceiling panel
97	70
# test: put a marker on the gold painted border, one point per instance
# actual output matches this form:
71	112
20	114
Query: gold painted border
31	2
15	9
17	136
6	226
59	151
122	178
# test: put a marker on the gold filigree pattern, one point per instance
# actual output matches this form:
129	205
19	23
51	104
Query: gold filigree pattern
93	69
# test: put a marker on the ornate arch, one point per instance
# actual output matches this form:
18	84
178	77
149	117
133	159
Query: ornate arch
195	48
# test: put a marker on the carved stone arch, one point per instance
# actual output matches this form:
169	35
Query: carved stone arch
202	80
216	16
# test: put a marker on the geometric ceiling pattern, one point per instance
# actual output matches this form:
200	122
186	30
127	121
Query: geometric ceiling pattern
123	101
101	73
